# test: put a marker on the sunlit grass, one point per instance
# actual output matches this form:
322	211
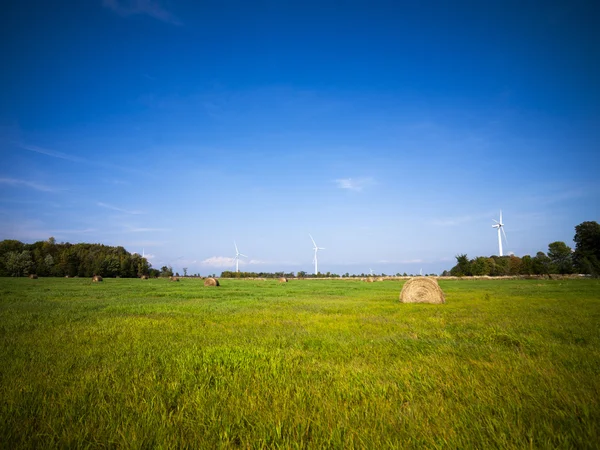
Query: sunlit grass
309	363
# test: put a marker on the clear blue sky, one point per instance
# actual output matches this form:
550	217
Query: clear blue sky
393	132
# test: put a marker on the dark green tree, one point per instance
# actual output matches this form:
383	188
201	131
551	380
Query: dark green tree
480	266
560	255
541	264
587	248
18	264
526	265
462	267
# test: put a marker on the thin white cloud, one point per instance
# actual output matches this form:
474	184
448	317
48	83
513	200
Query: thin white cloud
218	261
354	184
115	208
28	184
256	261
150	8
402	261
144	229
225	261
90	162
52	153
459	220
75	231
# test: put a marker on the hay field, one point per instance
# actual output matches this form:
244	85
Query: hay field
304	364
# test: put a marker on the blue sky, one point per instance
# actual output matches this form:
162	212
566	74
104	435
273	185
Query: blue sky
393	132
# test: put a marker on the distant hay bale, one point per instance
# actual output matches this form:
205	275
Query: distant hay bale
33	276
380	279
174	278
211	282
96	278
144	277
283	280
369	280
422	290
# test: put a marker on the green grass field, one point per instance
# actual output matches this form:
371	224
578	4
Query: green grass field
307	364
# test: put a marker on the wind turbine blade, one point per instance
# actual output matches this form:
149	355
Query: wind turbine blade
313	241
321	248
236	249
495	220
245	256
500	216
504	233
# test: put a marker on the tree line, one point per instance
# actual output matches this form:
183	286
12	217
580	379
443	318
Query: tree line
560	259
52	259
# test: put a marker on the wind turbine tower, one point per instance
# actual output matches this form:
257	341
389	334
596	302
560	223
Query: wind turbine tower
500	226
237	257
316	249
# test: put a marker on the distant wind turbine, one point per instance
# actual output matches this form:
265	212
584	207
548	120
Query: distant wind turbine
500	226
316	249
237	257
371	270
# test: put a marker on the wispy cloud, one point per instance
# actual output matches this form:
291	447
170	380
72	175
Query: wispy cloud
115	208
144	229
218	261
459	220
28	184
402	261
77	159
150	8
75	231
354	184
53	153
225	261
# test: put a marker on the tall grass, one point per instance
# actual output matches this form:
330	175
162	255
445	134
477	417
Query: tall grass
304	364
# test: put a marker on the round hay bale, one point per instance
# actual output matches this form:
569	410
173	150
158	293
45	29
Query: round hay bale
96	279
33	276
422	290
283	280
369	280
144	277
380	279
211	282
174	278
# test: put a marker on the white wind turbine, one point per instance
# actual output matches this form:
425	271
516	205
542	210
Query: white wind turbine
500	226
237	257
316	249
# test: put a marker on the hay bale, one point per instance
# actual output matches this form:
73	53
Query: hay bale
369	280
174	278
283	280
33	276
380	279
211	282
96	279
145	277
422	290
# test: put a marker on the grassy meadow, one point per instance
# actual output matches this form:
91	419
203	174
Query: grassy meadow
309	364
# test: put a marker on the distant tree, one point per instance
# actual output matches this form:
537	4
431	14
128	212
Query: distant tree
587	248
185	271
480	266
166	271
560	255
462	267
541	264
526	265
18	264
514	265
